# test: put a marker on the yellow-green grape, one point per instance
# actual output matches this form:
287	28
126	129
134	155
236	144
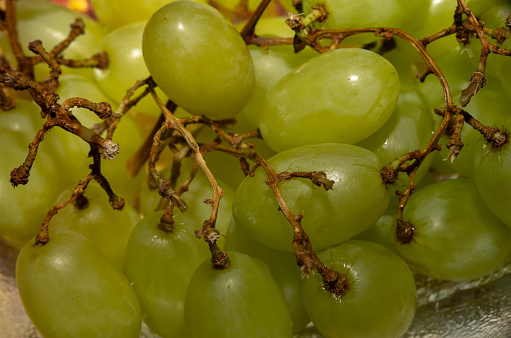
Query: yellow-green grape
360	97
198	59
455	235
380	299
160	264
69	289
241	300
357	199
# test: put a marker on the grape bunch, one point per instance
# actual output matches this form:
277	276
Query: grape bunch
329	154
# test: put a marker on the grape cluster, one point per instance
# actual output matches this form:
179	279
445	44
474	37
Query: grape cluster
326	156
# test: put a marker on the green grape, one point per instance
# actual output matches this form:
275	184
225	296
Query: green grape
126	66
107	228
160	265
358	197
241	300
345	14
69	289
23	208
489	106
358	100
198	59
127	134
380	300
50	23
455	236
491	174
116	13
382	231
409	128
198	191
283	269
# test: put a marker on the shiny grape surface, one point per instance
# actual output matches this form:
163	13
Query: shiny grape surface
198	59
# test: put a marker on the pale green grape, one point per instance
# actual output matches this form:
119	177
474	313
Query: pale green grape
198	59
69	289
282	266
116	13
23	208
455	235
358	197
491	174
107	228
358	100
126	66
380	300
241	300
160	264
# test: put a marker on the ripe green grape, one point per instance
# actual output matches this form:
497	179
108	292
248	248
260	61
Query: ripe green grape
198	59
241	300
492	174
380	300
69	289
358	197
107	228
455	235
283	269
23	208
160	264
125	66
358	100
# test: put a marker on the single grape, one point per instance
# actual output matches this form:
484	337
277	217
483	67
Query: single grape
503	64
454	234
283	269
492	165
69	289
357	199
160	264
380	299
198	59
359	99
241	300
